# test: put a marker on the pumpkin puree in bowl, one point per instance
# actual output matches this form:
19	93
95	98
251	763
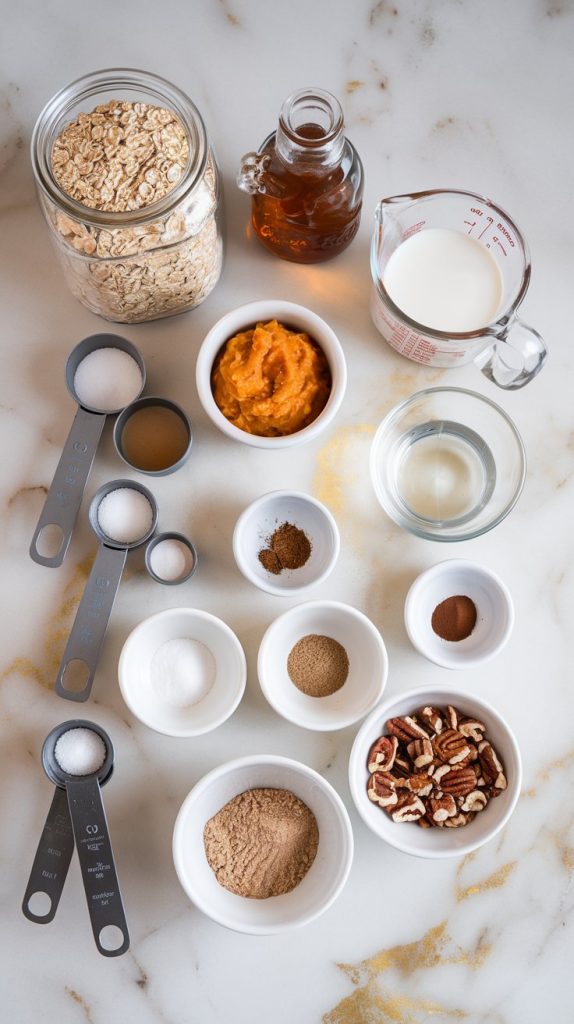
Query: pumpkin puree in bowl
270	380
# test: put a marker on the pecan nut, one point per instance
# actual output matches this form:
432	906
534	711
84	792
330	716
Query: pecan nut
381	789
382	754
442	807
492	770
406	729
475	801
472	729
458	781
432	718
451	747
452	717
420	753
459	820
421	784
409	808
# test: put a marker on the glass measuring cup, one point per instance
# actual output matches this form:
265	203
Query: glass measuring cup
77	815
507	351
84	644
64	497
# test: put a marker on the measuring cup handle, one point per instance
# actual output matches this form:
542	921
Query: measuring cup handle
89	628
52	859
96	858
514	357
65	495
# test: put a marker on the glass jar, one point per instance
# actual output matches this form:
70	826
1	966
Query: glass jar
306	181
135	264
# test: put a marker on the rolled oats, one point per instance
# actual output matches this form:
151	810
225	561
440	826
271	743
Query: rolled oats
120	158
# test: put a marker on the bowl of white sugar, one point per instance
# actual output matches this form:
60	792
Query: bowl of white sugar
182	672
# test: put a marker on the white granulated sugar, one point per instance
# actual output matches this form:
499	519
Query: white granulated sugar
171	559
107	379
182	672
80	751
125	515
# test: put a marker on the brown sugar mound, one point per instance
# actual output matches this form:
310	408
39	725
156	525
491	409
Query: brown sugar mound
262	843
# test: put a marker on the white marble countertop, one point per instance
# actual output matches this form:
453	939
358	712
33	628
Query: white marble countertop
475	96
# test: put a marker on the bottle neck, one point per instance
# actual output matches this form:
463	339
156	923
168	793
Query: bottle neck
311	129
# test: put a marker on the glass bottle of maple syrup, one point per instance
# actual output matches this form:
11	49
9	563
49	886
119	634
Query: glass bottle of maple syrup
306	181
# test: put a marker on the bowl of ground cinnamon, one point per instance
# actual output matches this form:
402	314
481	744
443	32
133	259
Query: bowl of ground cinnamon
459	614
286	542
263	844
322	665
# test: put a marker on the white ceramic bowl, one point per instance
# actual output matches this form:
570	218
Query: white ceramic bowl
291	315
436	842
495	613
322	883
368	665
257	523
135	679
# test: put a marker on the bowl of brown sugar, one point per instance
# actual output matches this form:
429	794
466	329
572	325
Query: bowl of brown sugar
322	665
263	844
286	542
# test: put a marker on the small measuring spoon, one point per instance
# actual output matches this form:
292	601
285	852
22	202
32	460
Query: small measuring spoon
80	817
84	644
66	490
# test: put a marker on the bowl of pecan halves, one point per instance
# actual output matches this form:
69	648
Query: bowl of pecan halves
435	773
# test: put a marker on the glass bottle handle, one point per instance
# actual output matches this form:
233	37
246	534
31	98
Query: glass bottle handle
251	173
513	358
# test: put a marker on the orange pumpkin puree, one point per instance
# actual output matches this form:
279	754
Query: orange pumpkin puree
271	381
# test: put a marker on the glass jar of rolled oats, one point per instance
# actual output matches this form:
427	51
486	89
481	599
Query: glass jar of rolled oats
130	188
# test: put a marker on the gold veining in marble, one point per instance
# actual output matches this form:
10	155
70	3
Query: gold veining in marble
496	880
77	998
373	1004
56	633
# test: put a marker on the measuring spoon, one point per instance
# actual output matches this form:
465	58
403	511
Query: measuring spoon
90	832
66	490
84	644
56	846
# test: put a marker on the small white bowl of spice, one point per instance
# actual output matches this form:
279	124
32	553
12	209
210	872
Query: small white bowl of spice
263	844
459	614
322	665
285	542
435	772
182	672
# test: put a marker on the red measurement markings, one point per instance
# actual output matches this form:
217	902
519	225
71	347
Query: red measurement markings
489	221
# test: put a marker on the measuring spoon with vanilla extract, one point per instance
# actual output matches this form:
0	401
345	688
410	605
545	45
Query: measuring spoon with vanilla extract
153	436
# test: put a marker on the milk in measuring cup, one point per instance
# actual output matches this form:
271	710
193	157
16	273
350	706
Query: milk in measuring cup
445	280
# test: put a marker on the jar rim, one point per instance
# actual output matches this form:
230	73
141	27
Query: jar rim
108	80
320	100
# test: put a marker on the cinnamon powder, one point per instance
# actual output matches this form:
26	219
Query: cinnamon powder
455	618
262	843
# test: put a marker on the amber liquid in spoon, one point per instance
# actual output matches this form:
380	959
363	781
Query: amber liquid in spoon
154	438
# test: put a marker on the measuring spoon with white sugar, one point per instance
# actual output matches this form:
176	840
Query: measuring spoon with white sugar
123	515
78	757
104	374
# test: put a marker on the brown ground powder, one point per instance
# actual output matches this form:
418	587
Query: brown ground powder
262	843
318	665
287	548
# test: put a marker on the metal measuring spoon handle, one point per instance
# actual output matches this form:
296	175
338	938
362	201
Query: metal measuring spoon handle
67	488
52	859
92	617
96	861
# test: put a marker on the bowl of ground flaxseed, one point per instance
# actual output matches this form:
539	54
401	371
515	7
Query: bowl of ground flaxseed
286	542
263	844
322	665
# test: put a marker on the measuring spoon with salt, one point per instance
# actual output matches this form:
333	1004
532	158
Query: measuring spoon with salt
123	515
104	374
78	757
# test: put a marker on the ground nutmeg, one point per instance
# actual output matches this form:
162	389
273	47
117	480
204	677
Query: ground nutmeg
455	618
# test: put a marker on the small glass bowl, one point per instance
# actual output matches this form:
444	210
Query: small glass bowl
447	464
